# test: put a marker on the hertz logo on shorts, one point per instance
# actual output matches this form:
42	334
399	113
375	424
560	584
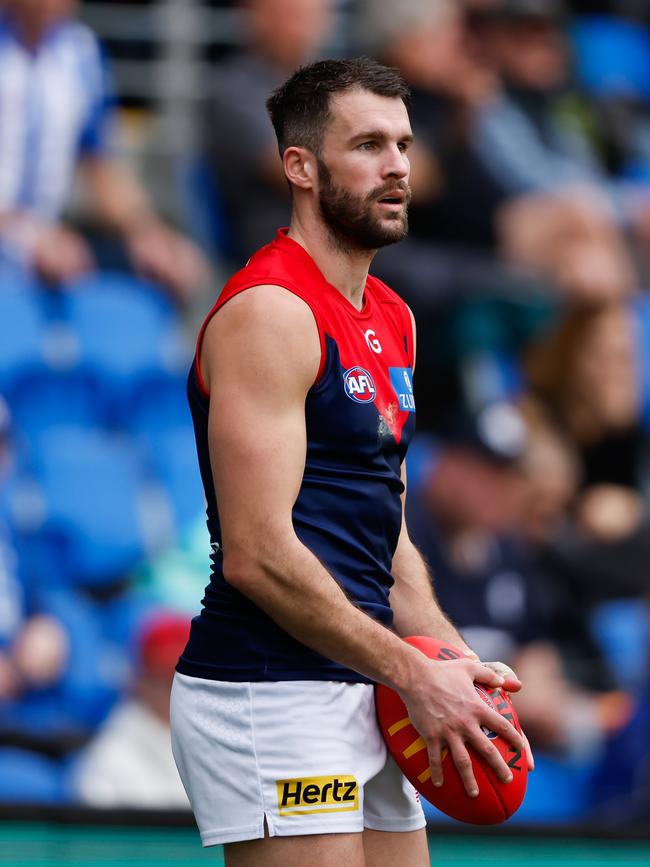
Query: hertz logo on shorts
304	795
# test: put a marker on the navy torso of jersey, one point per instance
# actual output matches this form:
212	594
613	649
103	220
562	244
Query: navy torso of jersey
360	416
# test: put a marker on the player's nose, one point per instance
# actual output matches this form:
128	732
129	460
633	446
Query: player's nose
397	163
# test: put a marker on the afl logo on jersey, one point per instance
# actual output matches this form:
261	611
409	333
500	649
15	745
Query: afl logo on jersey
359	385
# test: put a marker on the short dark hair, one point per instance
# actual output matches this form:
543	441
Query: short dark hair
299	109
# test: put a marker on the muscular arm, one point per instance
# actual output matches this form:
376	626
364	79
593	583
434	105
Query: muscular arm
260	356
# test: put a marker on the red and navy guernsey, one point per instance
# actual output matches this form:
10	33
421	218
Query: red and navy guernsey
360	417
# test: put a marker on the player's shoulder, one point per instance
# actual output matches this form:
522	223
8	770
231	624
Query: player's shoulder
272	329
266	313
269	301
282	264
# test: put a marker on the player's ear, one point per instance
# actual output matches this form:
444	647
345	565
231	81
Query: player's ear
299	167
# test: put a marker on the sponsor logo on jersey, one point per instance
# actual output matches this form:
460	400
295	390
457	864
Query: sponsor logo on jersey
402	381
359	385
303	795
372	341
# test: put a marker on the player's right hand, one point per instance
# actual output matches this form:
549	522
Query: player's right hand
448	712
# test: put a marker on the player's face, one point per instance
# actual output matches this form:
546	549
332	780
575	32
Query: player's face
364	170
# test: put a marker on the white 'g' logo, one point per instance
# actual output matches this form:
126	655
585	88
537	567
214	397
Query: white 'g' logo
371	340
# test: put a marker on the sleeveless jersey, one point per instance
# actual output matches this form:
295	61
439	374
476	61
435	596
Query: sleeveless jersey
360	416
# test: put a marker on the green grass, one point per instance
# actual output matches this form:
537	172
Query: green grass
42	845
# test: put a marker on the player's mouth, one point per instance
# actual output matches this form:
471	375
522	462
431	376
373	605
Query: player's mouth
395	198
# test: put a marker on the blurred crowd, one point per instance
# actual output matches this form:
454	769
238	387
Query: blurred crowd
526	266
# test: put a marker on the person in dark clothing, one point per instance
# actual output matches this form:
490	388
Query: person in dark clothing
239	140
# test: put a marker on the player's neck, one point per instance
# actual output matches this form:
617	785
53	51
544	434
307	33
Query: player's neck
345	268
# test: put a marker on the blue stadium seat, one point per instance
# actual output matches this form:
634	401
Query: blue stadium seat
155	404
46	399
91	484
28	778
613	56
622	781
173	455
127	333
559	792
622	629
114	287
21	334
160	421
39	375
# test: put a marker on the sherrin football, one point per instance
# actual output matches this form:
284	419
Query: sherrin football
496	801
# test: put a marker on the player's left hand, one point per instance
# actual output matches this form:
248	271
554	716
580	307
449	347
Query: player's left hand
512	684
511	681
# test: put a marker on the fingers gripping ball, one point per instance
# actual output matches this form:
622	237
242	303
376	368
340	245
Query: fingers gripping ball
496	801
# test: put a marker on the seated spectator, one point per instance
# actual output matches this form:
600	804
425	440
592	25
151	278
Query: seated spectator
56	115
54	682
532	134
466	520
587	371
524	44
453	196
240	143
567	240
130	762
589	374
34	647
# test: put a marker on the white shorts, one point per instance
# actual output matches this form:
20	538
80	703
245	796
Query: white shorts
307	757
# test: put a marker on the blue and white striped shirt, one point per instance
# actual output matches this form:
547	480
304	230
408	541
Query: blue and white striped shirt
55	105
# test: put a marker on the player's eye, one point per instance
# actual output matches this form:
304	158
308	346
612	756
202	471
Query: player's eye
367	145
403	146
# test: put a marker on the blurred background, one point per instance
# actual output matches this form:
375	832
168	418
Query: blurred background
138	169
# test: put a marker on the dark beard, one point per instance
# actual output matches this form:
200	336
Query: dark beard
349	219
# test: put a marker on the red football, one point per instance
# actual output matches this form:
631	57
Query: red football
496	801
